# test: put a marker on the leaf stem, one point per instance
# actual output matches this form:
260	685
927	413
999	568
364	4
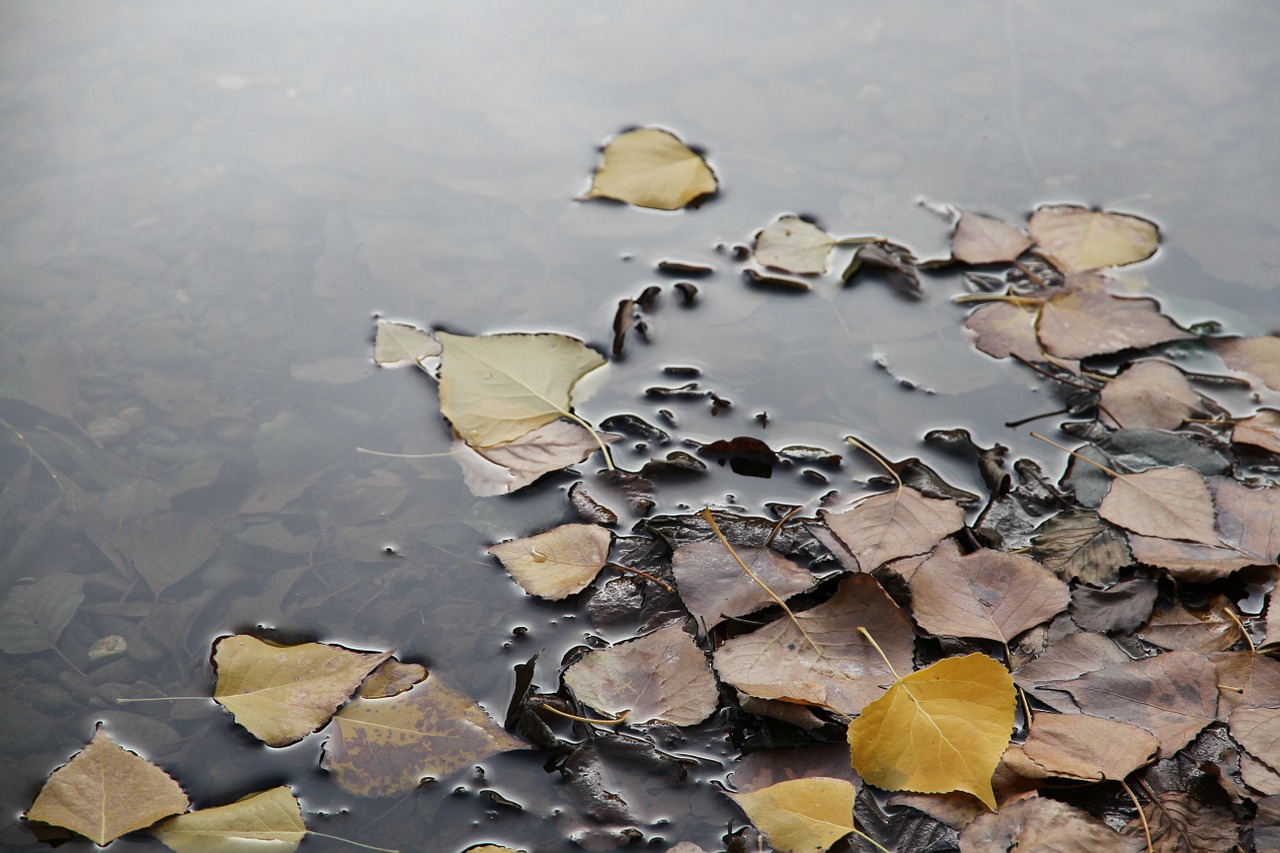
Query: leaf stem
1146	828
604	449
642	574
619	721
1019	301
1253	650
349	841
872	640
1071	452
126	700
884	463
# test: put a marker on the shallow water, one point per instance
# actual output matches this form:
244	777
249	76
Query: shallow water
204	207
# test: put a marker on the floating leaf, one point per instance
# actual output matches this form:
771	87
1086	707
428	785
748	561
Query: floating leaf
1079	239
270	821
1148	394
34	615
792	245
651	167
496	388
1084	320
105	791
1260	430
391	678
384	747
801	815
283	693
1080	546
942	728
1077	746
1171	503
1042	825
557	563
512	465
714	587
1010	330
983	239
401	343
660	676
1259	356
890	525
987	594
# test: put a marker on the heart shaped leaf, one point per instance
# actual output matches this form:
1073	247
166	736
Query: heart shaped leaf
1078	239
651	167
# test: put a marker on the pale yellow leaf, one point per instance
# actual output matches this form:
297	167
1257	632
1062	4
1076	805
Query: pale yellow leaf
400	343
1078	239
266	821
792	245
802	815
557	563
651	167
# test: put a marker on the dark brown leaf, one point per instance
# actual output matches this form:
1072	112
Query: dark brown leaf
1118	609
1246	680
1080	546
1068	658
1181	824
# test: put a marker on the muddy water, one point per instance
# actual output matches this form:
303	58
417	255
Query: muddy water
204	207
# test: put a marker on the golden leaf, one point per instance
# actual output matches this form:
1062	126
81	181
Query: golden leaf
651	167
557	563
801	815
267	821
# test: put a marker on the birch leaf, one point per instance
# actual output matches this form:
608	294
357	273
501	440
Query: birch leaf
651	167
267	821
1078	239
1171	503
896	524
557	563
983	239
511	465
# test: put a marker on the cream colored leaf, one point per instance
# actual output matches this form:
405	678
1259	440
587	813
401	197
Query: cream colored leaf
1259	356
557	563
267	821
651	167
496	388
792	245
1078	239
801	815
1171	503
400	343
983	239
510	466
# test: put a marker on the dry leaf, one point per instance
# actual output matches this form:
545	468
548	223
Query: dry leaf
1258	731
845	672
1080	546
384	747
660	676
942	728
401	343
1041	825
34	615
1117	609
983	239
987	594
1077	746
1207	629
1148	394
1246	680
269	821
557	563
1180	824
792	245
1260	430
714	587
802	815
1259	356
651	167
283	693
105	791
1068	658
512	465
1079	239
895	524
1084	320
1171	503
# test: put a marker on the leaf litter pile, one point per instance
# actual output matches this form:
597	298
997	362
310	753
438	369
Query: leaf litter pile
1080	664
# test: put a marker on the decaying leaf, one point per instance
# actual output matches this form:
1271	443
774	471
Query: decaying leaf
942	728
1085	320
34	614
714	587
1258	731
981	239
559	562
105	791
1259	356
384	747
1077	746
1119	608
1246	680
391	678
844	672
1068	658
1080	546
497	388
1171	503
792	245
1260	430
1042	825
1181	824
1205	629
270	821
511	465
895	524
166	548
1079	239
283	693
1005	330
401	343
661	676
1150	394
801	815
651	167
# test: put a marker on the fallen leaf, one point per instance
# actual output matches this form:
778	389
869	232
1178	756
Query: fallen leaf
1259	430
941	728
34	615
1084	320
661	676
1180	824
1206	629
1149	394
270	821
845	672
986	594
1173	695
1042	825
1171	503
1266	826
1258	731
896	260
1079	239
511	465
1259	356
384	747
801	815
1068	658
886	526
1247	680
283	693
1118	609
1077	746
981	239
558	563
401	343
714	587
165	549
1005	330
792	245
105	791
1258	775
651	167
1080	546
391	678
497	388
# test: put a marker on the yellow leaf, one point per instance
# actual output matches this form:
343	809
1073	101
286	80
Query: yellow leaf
651	167
266	821
940	729
557	563
1079	239
801	815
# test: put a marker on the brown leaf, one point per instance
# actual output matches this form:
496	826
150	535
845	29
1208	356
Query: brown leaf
1171	503
1085	320
1246	680
778	662
1080	546
1148	394
1077	746
166	548
1041	825
1258	731
1118	609
105	791
1077	238
1181	824
1260	430
1208	629
557	563
661	676
983	239
1266	826
1010	330
890	525
391	678
1173	695
1068	658
987	594
507	467
713	585
1259	356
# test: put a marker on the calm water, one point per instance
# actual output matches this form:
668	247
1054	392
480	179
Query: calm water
203	208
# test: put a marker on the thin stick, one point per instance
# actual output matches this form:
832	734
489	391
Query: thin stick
778	527
68	662
642	574
404	455
1028	273
352	843
872	640
884	463
1146	828
1026	706
622	719
1071	452
1026	362
1253	650
1019	301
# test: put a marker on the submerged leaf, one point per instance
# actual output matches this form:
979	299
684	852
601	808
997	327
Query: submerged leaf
34	615
792	245
1079	239
269	821
981	239
651	167
557	563
801	815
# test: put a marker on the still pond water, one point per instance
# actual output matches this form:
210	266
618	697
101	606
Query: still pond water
204	207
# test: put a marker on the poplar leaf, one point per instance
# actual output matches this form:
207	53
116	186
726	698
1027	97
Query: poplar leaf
801	815
1171	503
267	821
981	239
895	524
792	245
651	167
557	563
401	343
1078	239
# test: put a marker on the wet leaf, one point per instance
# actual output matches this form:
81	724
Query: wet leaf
1010	330
792	245
106	791
845	672
391	678
890	525
511	465
713	585
1080	546
283	693
661	676
497	388
1068	658
1084	320
1117	609
270	821
987	594
942	728
1171	503
1259	356
401	343
384	747
1246	680
1077	746
1148	394
35	614
557	563
651	167
801	815
1173	695
1180	824
1260	430
981	239
165	549
1258	731
1042	825
1079	239
1208	629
